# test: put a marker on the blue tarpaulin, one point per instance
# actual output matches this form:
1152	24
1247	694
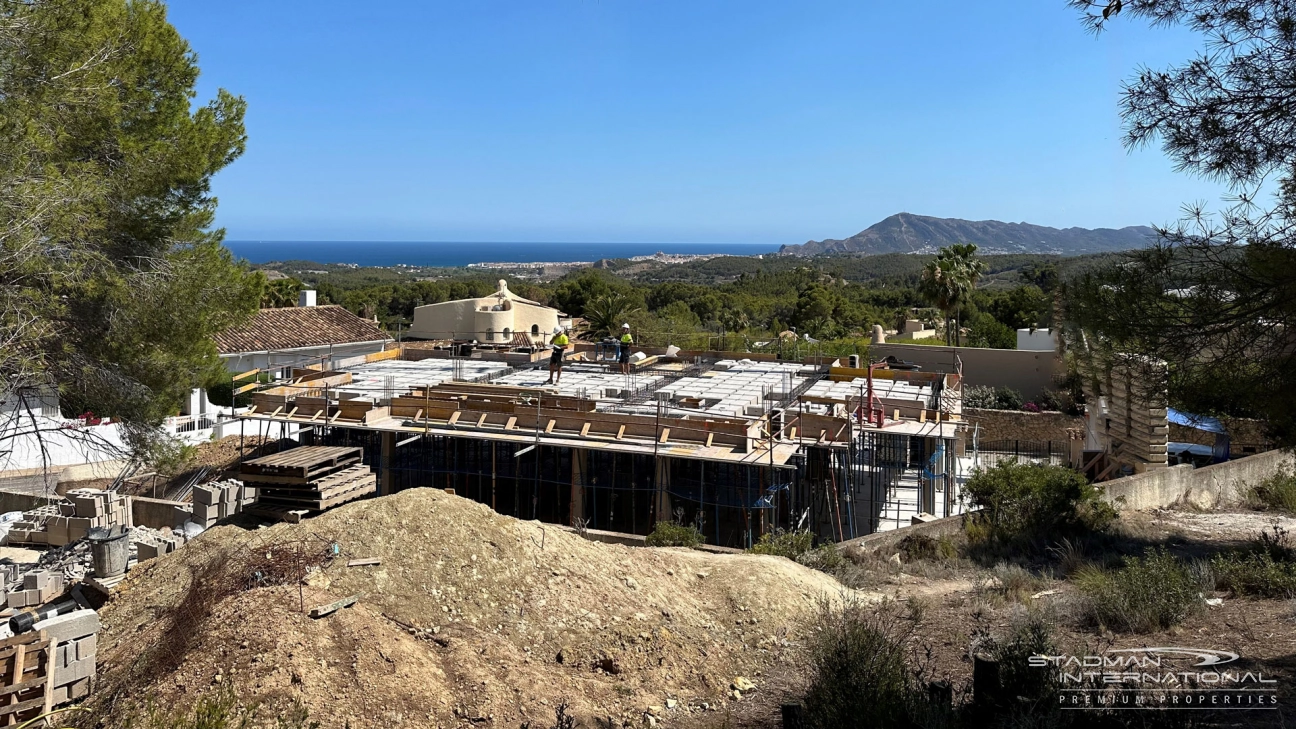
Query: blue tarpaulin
1197	422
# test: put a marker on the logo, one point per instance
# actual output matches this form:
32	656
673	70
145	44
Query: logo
1163	677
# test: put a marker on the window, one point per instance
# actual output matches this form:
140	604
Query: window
490	334
535	330
508	333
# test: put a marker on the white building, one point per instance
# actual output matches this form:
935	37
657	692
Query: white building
497	318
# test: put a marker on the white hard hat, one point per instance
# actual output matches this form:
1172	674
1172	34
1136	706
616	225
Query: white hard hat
557	330
625	326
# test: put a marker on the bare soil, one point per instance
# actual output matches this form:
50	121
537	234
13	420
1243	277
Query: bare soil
471	619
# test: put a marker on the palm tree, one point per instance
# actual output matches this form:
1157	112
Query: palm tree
606	312
948	281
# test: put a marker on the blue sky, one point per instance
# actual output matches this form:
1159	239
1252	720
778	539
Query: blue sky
671	121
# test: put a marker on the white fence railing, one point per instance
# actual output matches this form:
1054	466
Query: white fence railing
179	424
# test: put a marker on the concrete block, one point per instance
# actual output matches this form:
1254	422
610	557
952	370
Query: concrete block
88	506
65	654
85	647
21	599
206	495
38	537
145	551
69	627
206	513
37	579
76	533
67	508
57	534
74	671
60	695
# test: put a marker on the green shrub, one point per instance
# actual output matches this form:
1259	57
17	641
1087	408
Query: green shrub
674	534
1024	505
1036	689
785	543
858	673
917	547
979	396
1265	569
825	558
1148	594
1276	493
1007	398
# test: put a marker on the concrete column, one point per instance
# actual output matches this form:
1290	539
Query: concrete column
661	499
579	467
385	474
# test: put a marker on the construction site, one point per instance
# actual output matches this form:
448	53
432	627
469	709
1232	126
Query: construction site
736	444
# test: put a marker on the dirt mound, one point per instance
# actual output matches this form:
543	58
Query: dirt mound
471	619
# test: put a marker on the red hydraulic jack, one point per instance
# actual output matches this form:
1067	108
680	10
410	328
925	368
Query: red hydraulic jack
870	409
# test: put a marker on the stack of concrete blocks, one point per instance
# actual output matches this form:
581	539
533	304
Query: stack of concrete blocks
153	545
215	501
30	529
71	520
76	636
8	576
38	588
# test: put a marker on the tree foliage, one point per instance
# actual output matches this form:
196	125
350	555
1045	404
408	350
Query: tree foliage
948	280
1216	298
112	283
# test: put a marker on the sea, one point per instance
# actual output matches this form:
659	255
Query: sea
450	254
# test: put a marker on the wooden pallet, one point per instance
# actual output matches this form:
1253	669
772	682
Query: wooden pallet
324	484
299	465
358	490
26	677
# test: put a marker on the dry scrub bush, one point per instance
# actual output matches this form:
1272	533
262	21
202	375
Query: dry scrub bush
1275	493
1148	594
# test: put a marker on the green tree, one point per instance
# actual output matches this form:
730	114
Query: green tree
1215	298
606	313
814	310
280	293
112	282
948	280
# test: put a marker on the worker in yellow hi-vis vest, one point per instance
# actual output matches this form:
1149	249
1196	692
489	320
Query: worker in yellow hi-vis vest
626	343
559	343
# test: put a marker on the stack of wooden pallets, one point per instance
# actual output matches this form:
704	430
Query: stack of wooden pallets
307	479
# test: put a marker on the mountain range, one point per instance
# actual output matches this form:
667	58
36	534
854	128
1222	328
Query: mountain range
909	233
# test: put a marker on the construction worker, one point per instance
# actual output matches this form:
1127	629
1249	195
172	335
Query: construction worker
559	342
626	343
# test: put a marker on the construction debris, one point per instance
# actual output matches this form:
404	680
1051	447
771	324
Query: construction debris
329	609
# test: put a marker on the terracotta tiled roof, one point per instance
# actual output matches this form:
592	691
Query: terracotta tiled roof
298	326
